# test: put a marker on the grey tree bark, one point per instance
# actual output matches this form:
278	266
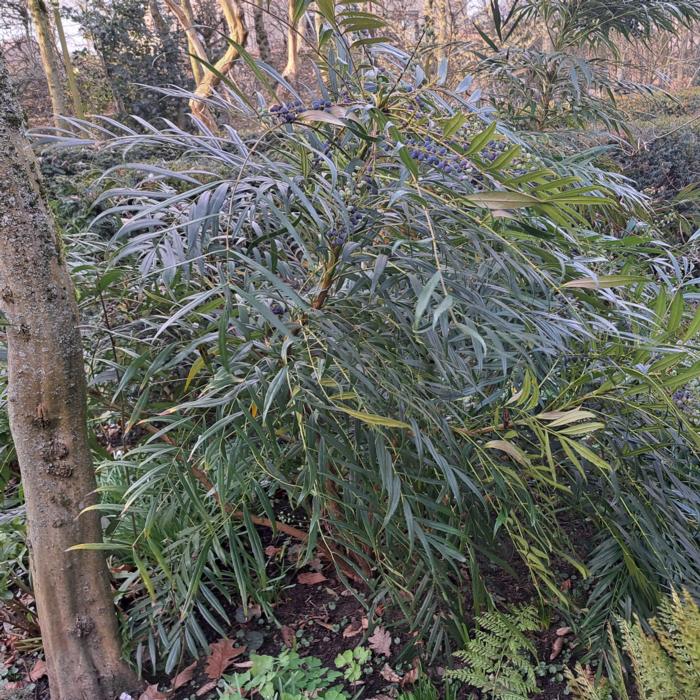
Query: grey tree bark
76	99
261	37
49	60
47	409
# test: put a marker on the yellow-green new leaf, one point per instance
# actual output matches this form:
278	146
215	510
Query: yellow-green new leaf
502	201
373	419
603	282
510	449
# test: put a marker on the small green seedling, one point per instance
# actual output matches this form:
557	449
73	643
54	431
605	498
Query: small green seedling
352	661
284	677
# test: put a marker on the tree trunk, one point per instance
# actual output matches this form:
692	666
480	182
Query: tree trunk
49	61
261	37
77	101
185	16
292	68
318	26
443	27
238	32
47	409
208	80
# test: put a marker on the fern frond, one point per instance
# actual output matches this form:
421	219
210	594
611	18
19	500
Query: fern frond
499	658
584	686
665	665
677	628
653	670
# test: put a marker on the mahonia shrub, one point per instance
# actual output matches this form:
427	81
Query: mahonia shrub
386	312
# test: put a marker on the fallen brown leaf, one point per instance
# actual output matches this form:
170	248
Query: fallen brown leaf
380	642
206	688
287	635
185	676
563	631
15	685
410	677
355	627
152	693
272	551
221	655
39	670
557	646
311	578
388	674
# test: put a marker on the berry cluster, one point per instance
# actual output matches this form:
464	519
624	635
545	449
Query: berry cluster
492	150
321	104
429	152
416	105
357	218
336	238
688	400
277	308
369	183
289	112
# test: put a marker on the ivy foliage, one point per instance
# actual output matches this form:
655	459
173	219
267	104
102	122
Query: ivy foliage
134	57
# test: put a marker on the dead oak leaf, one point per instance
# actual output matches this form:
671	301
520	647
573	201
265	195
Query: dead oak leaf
311	578
288	635
380	642
152	693
355	627
15	685
185	676
388	674
221	656
557	646
410	677
206	688
39	670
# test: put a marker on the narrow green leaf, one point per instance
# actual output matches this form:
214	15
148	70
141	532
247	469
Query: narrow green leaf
424	298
